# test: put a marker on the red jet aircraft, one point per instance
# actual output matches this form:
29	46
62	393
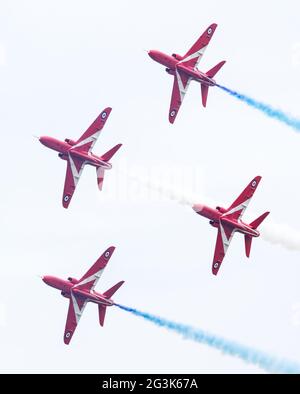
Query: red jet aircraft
184	68
228	221
79	153
80	292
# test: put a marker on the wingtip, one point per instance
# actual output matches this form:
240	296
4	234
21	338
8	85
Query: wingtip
104	114
213	26
110	249
255	181
107	109
216	267
67	339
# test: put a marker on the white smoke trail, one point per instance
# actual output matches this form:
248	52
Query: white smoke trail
168	190
275	233
281	234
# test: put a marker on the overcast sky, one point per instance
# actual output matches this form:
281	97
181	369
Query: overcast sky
61	63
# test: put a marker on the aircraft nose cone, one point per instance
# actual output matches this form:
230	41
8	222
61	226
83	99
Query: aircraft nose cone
151	54
42	140
45	279
197	207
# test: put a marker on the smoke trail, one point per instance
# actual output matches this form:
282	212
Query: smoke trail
265	108
279	234
183	197
247	354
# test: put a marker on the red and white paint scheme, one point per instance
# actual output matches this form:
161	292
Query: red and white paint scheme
79	153
184	69
81	291
228	221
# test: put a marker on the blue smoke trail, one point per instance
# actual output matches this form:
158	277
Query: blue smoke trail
249	355
265	108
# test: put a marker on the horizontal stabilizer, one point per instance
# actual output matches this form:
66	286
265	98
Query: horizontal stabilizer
259	220
248	242
109	293
213	71
108	155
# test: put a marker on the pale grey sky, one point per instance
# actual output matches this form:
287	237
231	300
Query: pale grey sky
61	63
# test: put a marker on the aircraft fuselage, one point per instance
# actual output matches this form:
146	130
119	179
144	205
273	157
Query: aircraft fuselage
173	63
64	148
218	215
68	287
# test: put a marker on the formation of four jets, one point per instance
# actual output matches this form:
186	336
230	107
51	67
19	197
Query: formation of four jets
79	153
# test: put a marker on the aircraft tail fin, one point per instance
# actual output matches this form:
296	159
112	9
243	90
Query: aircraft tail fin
254	225
100	176
108	155
213	71
108	294
248	242
257	222
204	93
102	310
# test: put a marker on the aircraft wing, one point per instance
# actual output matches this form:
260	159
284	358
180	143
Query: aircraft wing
180	87
238	207
76	308
74	171
88	139
92	276
225	234
194	55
